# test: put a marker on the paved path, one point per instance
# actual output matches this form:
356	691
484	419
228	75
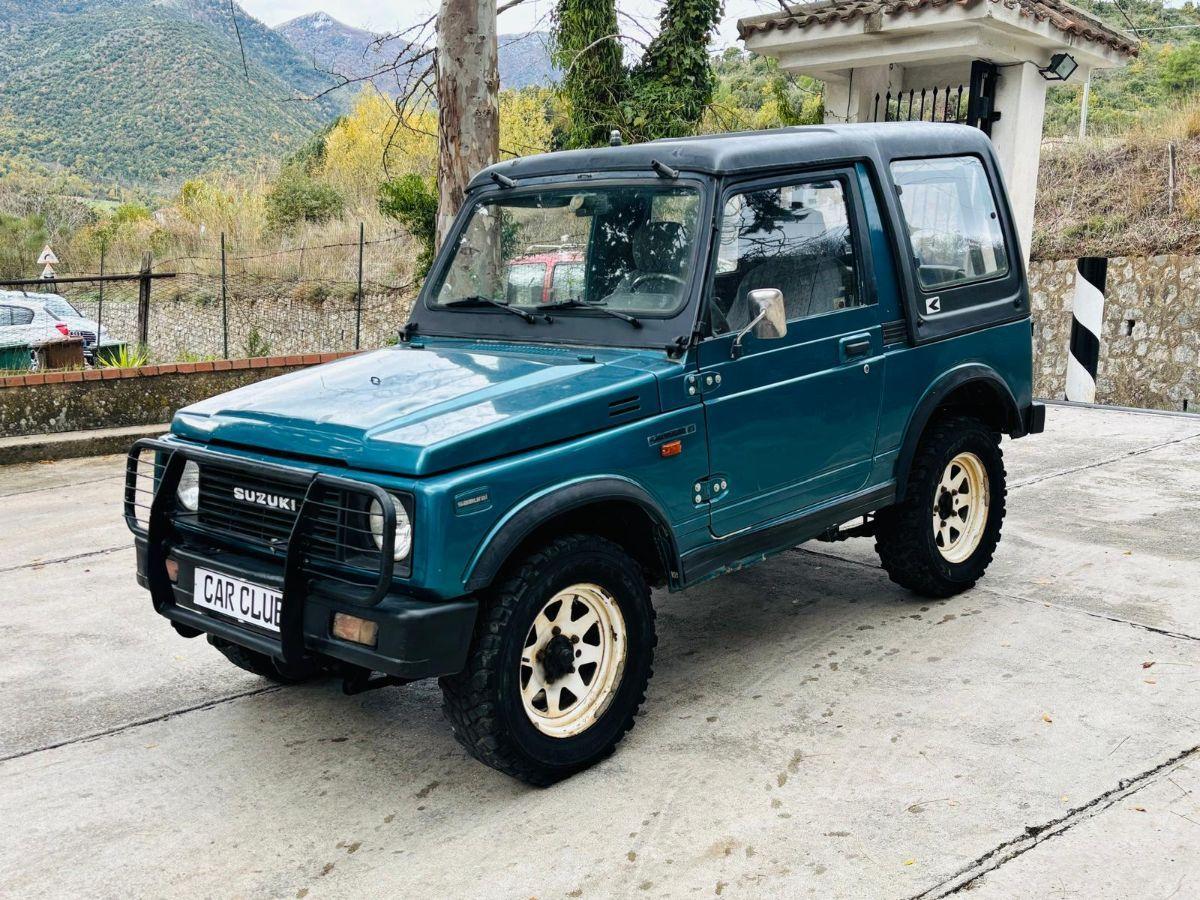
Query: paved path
811	730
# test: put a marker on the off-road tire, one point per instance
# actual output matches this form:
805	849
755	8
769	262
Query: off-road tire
483	702
904	538
261	664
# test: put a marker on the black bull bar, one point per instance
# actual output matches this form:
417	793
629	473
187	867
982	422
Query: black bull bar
304	568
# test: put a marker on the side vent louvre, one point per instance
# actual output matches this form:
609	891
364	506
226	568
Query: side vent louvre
624	406
895	332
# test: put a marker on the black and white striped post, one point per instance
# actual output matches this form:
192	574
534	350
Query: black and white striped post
1087	320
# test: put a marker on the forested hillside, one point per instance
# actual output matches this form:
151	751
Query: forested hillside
1165	75
149	90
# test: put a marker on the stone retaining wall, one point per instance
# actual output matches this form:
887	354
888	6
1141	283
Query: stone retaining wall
189	325
1150	345
56	402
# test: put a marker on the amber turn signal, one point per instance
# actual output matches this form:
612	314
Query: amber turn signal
354	629
172	567
671	448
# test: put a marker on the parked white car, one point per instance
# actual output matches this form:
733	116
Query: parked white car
38	318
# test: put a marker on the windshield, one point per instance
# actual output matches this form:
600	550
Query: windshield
60	308
624	249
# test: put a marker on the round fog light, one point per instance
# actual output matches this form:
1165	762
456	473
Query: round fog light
403	528
189	486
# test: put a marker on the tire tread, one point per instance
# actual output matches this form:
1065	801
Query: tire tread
900	538
467	698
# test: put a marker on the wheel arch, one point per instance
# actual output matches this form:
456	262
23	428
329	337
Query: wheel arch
976	390
611	506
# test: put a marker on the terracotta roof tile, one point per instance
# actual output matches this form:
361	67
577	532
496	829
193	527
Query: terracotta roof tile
1061	15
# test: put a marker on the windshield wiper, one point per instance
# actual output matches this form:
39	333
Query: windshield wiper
499	304
579	304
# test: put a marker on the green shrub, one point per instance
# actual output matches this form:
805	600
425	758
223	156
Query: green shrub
21	240
123	356
414	202
256	344
296	197
128	213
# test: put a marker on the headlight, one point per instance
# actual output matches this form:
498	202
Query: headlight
189	486
403	528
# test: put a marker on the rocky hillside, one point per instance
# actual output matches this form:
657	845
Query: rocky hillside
333	46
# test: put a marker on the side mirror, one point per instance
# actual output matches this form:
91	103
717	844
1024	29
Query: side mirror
770	318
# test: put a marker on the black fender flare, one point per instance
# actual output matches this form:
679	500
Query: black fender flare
522	520
1014	423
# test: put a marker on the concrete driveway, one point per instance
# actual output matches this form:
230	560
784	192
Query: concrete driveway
811	730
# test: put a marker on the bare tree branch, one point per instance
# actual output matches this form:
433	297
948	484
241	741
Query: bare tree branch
238	32
616	36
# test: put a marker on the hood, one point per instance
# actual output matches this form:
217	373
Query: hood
431	407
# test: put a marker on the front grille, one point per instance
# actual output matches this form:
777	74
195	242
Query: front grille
89	337
240	508
258	508
265	519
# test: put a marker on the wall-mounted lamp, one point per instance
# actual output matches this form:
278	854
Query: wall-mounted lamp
1062	66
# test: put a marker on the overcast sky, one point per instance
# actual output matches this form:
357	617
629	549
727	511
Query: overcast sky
389	15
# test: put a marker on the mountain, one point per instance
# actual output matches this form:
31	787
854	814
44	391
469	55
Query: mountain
148	92
525	60
334	46
143	91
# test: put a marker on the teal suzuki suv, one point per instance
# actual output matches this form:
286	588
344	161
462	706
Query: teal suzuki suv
761	339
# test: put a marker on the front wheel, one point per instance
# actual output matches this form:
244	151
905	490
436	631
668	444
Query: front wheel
940	539
560	662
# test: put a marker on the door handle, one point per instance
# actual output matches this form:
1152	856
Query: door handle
852	347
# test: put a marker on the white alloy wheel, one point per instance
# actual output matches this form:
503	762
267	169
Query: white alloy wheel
572	661
960	507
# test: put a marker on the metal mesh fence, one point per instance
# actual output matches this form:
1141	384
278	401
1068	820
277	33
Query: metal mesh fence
293	300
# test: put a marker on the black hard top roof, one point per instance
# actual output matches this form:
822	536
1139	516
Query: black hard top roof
748	151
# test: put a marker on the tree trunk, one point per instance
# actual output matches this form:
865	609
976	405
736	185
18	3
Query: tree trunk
468	86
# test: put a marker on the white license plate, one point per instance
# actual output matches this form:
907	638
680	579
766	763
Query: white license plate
241	600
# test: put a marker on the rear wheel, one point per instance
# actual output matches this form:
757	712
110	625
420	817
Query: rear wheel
561	658
940	539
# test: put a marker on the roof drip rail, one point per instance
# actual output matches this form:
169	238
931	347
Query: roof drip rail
663	170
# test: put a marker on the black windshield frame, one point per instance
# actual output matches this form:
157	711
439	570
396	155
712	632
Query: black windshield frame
574	327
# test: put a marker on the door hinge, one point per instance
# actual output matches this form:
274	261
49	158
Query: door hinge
703	383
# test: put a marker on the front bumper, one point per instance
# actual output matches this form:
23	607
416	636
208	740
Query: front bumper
416	638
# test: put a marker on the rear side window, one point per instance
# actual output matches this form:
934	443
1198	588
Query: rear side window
15	315
951	218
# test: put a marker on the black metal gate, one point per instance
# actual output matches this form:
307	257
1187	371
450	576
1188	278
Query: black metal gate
972	104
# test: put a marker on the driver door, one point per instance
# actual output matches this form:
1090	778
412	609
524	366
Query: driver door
792	421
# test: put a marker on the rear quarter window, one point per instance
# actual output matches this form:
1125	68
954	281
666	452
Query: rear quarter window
950	214
15	315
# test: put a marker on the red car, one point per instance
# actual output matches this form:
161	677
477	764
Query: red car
545	278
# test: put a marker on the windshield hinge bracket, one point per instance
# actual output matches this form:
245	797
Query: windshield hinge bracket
708	489
703	383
